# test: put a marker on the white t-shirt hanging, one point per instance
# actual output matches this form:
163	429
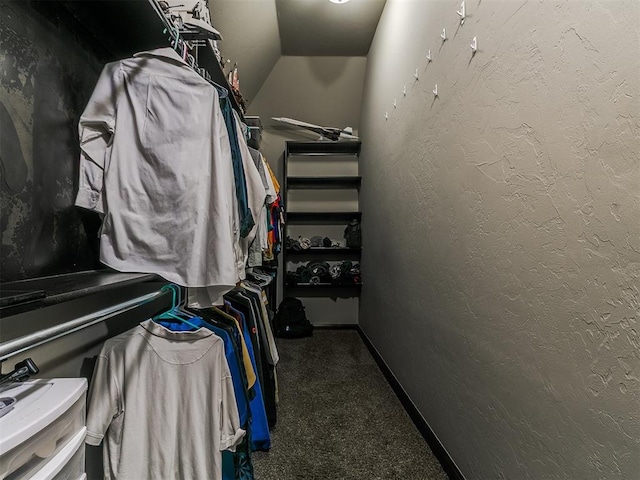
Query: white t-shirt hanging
164	404
256	192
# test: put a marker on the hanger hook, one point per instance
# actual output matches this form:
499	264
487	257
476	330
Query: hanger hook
173	294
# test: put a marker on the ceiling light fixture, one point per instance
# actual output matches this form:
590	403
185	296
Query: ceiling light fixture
338	1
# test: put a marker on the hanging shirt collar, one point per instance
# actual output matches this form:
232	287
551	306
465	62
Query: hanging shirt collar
162	332
165	52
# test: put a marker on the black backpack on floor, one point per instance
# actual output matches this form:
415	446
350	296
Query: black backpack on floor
290	320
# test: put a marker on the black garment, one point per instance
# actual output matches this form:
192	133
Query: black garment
251	310
246	217
243	305
257	309
269	387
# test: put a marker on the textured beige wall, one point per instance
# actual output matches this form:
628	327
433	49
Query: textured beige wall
321	90
502	230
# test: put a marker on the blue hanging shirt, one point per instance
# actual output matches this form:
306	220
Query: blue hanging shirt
260	437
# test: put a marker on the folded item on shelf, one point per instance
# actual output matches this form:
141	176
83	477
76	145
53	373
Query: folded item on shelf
292	244
319	269
349	274
335	271
292	278
316	241
305	243
303	274
319	272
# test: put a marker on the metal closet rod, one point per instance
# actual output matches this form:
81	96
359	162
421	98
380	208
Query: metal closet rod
22	344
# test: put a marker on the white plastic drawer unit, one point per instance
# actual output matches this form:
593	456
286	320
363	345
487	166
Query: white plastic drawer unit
45	416
68	464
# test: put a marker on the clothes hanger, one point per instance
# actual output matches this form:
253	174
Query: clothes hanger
183	309
181	48
191	60
222	91
174	312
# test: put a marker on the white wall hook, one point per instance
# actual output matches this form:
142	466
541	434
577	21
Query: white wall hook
462	13
443	35
404	90
395	104
386	115
429	55
435	91
415	74
474	44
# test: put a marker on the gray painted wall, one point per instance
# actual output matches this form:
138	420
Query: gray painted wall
502	230
325	91
250	38
321	90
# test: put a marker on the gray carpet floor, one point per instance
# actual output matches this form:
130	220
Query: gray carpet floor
338	418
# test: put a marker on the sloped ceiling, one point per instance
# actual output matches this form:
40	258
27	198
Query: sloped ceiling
322	28
257	32
251	38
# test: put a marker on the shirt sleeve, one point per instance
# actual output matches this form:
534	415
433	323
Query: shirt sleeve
96	128
272	175
230	432
103	401
256	192
272	194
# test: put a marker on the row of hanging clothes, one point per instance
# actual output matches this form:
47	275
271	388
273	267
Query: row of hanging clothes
188	394
165	162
